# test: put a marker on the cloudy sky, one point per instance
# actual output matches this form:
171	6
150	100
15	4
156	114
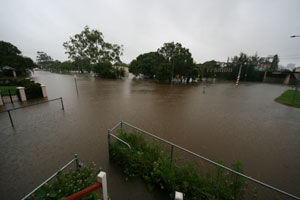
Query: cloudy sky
211	29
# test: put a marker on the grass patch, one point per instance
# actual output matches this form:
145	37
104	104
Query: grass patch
4	90
154	167
287	98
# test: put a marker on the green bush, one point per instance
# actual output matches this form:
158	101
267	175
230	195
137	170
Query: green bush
106	70
33	90
154	167
68	183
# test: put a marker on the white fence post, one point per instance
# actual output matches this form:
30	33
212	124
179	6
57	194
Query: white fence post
101	177
1	102
44	91
178	196
21	91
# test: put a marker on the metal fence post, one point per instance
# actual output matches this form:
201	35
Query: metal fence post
121	124
171	157
108	141
77	161
62	104
11	121
9	93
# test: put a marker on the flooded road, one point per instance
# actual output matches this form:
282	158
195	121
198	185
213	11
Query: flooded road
225	123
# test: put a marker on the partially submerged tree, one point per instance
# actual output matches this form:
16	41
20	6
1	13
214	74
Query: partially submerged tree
89	47
180	58
146	64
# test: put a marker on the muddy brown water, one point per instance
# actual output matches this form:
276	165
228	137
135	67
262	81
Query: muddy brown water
225	123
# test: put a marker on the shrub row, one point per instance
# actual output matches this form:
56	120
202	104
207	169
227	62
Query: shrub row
154	167
68	183
33	90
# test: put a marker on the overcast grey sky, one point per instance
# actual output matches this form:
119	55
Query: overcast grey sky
211	29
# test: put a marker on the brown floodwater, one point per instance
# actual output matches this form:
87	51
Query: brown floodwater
225	123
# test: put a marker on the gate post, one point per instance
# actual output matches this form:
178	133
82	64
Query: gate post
22	95
101	178
43	87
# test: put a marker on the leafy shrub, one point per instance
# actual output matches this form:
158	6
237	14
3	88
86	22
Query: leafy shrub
68	183
154	167
106	70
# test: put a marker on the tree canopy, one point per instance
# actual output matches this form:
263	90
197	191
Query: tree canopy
169	61
11	56
90	45
43	60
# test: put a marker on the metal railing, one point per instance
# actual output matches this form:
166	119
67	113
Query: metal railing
75	159
122	141
121	126
34	104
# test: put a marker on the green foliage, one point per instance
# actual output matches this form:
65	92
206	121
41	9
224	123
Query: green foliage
11	56
106	70
157	64
287	98
164	72
274	64
43	60
179	57
154	167
4	90
33	90
90	45
68	183
146	64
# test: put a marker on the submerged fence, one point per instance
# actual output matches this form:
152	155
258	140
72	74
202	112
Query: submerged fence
178	155
34	104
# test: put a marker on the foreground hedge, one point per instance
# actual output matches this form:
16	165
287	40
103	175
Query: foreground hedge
154	167
68	183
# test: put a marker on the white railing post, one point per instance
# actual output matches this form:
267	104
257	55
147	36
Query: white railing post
101	178
22	94
178	196
43	87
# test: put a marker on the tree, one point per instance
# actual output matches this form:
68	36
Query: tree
146	64
274	64
164	72
105	70
89	47
43	60
179	57
11	56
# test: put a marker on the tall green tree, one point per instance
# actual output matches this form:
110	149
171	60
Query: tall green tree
179	57
89	47
11	56
146	64
274	64
43	59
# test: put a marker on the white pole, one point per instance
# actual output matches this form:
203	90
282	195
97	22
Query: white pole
101	178
178	196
